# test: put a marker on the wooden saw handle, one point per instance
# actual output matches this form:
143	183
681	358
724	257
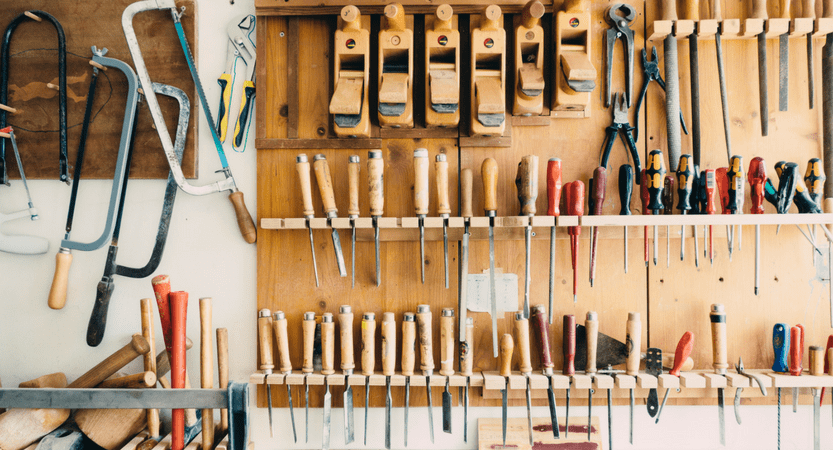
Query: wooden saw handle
244	219
58	290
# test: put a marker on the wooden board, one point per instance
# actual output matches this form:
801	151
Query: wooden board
34	63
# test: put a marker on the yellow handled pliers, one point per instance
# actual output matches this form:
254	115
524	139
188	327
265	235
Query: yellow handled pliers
241	49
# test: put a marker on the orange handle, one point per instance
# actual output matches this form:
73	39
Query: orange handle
58	291
179	309
553	186
681	354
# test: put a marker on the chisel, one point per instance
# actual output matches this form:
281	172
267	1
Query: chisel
345	322
526	181
443	205
654	180
376	180
388	364
569	367
264	334
685	182
462	308
783	59
489	172
408	359
796	357
591	325
719	358
309	349
206	369
327	368
759	12
542	337
505	365
522	336
303	168
421	201
282	343
553	202
325	188
598	186
684	347
466	366
368	359
426	357
625	193
574	191
633	337
808	10
672	89
353	211
447	361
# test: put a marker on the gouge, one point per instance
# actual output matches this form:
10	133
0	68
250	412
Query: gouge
505	365
591	325
542	337
759	12
462	307
206	369
408	359
522	335
264	333
279	328
388	364
368	359
466	365
443	206
719	358
426	357
526	182
568	368
489	172
421	201
325	188
684	347
376	180
303	168
327	369
353	211
633	335
553	209
447	361
345	322
308	367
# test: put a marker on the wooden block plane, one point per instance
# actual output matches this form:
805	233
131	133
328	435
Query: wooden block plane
488	86
529	61
349	103
442	74
396	66
575	76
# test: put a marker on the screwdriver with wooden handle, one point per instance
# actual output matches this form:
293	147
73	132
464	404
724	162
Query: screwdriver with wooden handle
526	182
654	180
719	358
388	364
327	368
489	172
505	367
633	336
279	328
553	209
353	211
325	188
569	366
206	369
684	347
466	366
522	336
264	334
591	327
302	166
598	187
421	201
542	337
308	367
443	205
408	360
376	181
574	192
462	298
625	193
426	357
345	322
447	361
368	359
685	180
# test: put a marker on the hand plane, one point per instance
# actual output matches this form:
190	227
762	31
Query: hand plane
488	63
529	61
349	103
442	75
396	66
575	76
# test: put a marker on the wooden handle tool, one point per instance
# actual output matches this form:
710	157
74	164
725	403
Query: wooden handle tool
388	344
327	344
468	360
522	337
353	169
244	219
325	184
489	173
633	337
569	345
179	309
53	380
141	380
206	369
222	374
507	346
466	182
368	343
421	181
146	309
309	342
591	326
408	344
426	352
719	352
58	291
345	322
540	324
447	342
376	181
279	330
796	350
526	182
441	170
302	166
816	360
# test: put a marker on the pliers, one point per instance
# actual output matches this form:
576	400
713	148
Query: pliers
241	48
650	72
753	378
619	16
621	124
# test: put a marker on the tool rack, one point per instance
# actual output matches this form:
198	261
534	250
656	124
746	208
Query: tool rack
295	39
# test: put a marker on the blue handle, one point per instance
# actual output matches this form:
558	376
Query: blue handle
781	345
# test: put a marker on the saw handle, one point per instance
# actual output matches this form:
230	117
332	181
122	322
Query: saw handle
719	352
421	181
553	187
526	181
780	347
353	169
681	353
376	181
345	323
328	328
489	173
408	344
441	169
426	352
308	326
542	336
447	342
388	344
633	337
465	194
569	342
507	346
325	184
522	335
244	219
368	343
58	290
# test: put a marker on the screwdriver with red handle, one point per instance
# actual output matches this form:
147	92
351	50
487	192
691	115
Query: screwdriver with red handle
553	209
757	177
575	207
680	356
723	193
796	357
643	195
654	179
709	179
598	187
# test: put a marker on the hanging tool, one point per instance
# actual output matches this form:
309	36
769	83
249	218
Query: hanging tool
426	357
591	325
757	178
667	209
443	205
568	368
621	126
759	12
634	337
442	74
719	358
376	181
178	312
244	219
241	48
780	346
463	283
489	173
63	159
368	359
613	352
709	182
466	365
753	378
723	194
421	201
827	362
653	366
796	357
505	366
302	166
522	335
345	322
308	367
408	358
619	16
598	186
684	347
650	72
207	368
526	181
542	337
685	182
553	209
574	192
698	205
816	362
57	293
654	182
814	179
721	76
20	244
388	365
264	328
488	75
447	361
325	188
575	75
625	193
353	210
149	363
396	66
783	59
808	10
737	195
672	89
327	369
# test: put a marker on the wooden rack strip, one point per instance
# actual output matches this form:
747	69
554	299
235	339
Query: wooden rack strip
739	29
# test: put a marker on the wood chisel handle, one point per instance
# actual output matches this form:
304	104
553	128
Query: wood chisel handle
669	9
328	330
719	352
376	181
780	347
796	350
468	359
591	327
447	342
553	187
223	373
489	172
206	369
264	337
526	181
345	324
408	344
758	9
691	10
522	336
58	291
714	7
308	327
542	336
146	308
368	343
388	344
784	9
827	11
441	169
426	352
281	335
507	346
569	344
105	369
633	337
466	181
244	219
816	360
353	170
421	181
681	353
325	184
302	166
179	309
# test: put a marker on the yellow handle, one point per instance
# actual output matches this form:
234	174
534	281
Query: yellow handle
58	291
245	112
225	82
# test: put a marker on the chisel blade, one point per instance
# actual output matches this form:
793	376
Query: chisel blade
721	417
407	404
312	249
462	308
342	269
527	274
567	413
504	411
378	265
269	401
446	409
430	408
552	272
306	410
529	410
353	255
609	421
589	412
783	71
349	430
553	414
291	413
492	289
366	401
466	412
328	404
387	412
422	248
816	414
811	84
445	250
630	404
762	84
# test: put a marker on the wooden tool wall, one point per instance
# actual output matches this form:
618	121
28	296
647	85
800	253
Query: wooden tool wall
295	84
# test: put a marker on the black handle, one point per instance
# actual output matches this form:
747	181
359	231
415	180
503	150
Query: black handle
655	179
786	185
625	188
685	182
98	318
734	176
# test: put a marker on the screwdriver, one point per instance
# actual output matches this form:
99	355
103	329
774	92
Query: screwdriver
325	188
279	328
736	193
542	335
408	358
421	201
489	172
522	336
709	182
796	357
353	211
426	357
303	168
723	193
264	332
685	180
668	206
643	195
569	366
655	175
553	203
443	205
526	182
814	179
780	346
625	193
684	347
376	181
757	177
598	188
575	207
696	193
388	365
368	359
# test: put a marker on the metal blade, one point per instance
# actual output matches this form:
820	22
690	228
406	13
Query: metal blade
312	249
306	409
492	290
466	413
328	404
430	408
609	422
609	352
422	249
694	65
589	411
738	391
661	406
446	409
366	401
445	249
811	85
529	410
291	413
552	273
407	403
378	266
631	417
387	413
724	103
721	416
269	401
349	429
779	418
527	275
656	246
626	249
353	255
503	411
696	248
816	414
795	399
682	242
553	414
567	414
762	84
342	269
783	72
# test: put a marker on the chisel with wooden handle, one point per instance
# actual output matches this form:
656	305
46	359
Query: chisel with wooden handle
345	322
443	205
591	326
526	182
489	172
505	367
353	211
633	335
462	299
222	375
376	180
408	360
264	334
368	359
388	365
280	333
569	368
542	336
308	367
179	309
302	166
719	358
447	361
522	335
421	201
426	357
325	187
466	367
146	309
327	369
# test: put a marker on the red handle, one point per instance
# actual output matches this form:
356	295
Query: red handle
574	202
161	288
569	345
643	194
796	349
542	334
757	177
710	182
179	310
723	188
826	363
553	187
599	189
681	354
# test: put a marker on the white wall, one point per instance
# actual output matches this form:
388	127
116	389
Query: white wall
206	256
